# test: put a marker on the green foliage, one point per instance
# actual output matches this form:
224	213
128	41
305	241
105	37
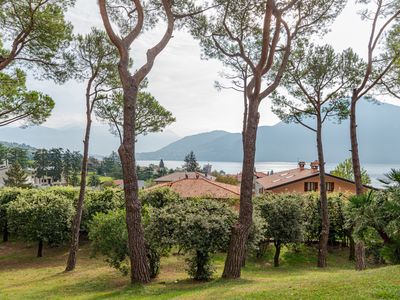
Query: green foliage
17	155
158	197
392	179
109	237
379	211
102	201
200	227
41	216
17	103
71	164
94	180
16	177
191	164
227	179
38	36
150	115
112	166
316	85
345	170
7	195
311	206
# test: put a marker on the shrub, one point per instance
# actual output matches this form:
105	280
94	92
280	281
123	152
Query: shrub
7	195
158	197
283	215
41	216
200	227
103	201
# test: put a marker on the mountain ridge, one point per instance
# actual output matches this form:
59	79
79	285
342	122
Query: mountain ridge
378	127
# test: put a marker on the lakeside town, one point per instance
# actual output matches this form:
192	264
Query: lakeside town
252	82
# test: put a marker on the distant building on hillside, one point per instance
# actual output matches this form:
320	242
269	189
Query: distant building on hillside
302	180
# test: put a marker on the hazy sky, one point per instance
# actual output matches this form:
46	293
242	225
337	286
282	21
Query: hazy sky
181	81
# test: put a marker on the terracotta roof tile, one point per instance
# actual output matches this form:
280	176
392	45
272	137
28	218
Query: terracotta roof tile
182	175
201	187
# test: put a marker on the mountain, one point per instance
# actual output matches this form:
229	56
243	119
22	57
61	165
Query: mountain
102	142
378	132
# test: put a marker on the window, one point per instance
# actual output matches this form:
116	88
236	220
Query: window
310	186
330	186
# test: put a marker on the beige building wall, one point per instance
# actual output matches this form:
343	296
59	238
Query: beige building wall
339	185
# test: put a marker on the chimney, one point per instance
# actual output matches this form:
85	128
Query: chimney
186	176
315	165
302	164
197	175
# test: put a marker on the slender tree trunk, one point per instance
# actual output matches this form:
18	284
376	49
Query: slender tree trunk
240	230
73	251
5	232
360	256
352	249
277	253
324	236
140	271
40	249
360	259
354	146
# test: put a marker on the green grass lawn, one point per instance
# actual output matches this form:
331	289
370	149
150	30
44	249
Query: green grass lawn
23	276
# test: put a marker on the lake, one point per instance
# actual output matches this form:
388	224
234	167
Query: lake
375	171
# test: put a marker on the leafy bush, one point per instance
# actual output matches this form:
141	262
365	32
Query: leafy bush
109	236
158	197
200	227
7	195
103	201
283	216
41	216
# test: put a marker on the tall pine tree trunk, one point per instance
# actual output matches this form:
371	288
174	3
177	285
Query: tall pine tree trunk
360	253
324	236
40	249
76	226
73	251
5	232
140	271
240	231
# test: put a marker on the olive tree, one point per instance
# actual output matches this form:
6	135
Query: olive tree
131	19
315	87
256	38
283	216
42	217
200	227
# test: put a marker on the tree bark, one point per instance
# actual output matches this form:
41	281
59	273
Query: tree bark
140	271
354	146
277	253
352	249
360	256
73	251
40	249
359	247
324	236
5	232
240	231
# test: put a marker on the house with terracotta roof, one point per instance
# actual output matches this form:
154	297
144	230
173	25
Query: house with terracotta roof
182	175
301	180
201	187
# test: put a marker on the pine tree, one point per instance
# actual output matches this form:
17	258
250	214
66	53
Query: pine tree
16	177
191	164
